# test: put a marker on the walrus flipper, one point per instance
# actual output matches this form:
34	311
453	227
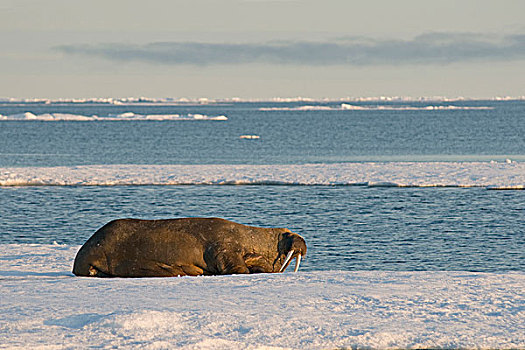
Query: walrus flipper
181	270
227	261
94	272
232	264
158	269
256	263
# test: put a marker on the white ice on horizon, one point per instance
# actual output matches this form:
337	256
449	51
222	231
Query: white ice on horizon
492	175
390	107
207	100
117	117
44	305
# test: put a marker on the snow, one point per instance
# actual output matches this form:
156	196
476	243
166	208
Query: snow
44	305
117	117
491	175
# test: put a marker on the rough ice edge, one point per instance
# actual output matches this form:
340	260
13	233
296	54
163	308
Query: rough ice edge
491	175
117	117
43	304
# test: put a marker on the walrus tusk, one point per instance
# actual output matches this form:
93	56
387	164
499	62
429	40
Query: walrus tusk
297	263
286	261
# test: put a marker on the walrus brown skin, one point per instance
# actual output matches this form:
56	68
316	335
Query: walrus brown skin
189	246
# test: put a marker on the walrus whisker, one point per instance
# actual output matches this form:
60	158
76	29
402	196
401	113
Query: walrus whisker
286	261
297	263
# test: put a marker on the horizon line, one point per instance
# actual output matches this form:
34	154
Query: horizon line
234	99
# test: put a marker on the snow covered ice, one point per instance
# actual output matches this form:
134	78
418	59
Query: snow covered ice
492	175
44	306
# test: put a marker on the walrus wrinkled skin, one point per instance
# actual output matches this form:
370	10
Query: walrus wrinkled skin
186	247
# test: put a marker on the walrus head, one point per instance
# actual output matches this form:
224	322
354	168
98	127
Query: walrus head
291	246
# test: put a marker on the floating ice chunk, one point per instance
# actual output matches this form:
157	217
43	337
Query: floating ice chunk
126	115
314	108
161	117
78	117
46	117
22	116
49	117
205	117
158	117
119	117
346	106
197	116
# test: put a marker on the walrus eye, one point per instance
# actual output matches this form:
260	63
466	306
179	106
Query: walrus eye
286	261
297	263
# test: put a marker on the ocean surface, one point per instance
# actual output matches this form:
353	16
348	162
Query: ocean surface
402	186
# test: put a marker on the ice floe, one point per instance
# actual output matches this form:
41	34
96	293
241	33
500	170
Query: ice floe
115	117
135	116
44	306
491	175
48	117
387	107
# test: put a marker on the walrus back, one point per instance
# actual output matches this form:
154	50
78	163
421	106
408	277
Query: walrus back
136	248
185	246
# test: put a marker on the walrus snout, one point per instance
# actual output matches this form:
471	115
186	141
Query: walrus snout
295	247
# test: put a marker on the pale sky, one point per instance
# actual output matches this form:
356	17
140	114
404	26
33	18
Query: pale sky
261	48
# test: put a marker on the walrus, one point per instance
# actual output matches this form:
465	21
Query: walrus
186	247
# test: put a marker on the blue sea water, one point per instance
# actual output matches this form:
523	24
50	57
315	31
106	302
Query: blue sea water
346	227
285	136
